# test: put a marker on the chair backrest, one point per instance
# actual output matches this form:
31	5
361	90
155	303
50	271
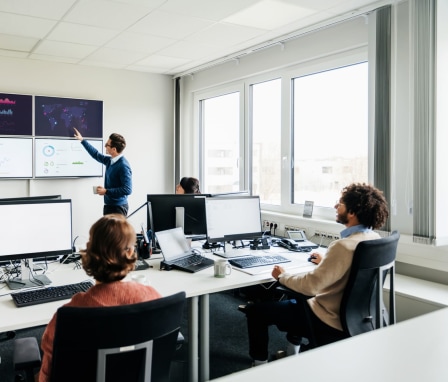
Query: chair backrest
362	306
122	343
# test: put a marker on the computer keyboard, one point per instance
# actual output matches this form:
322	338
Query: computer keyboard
41	296
257	261
190	260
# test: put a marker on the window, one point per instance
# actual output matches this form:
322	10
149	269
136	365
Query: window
220	118
266	138
330	129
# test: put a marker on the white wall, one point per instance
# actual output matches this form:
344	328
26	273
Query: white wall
137	105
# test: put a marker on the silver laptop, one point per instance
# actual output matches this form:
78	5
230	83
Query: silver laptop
177	253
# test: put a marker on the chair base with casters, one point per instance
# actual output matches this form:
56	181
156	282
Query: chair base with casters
362	307
129	342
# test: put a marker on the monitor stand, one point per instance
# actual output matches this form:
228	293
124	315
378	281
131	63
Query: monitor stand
32	281
180	217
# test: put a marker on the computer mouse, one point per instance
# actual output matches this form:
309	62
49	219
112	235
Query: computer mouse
311	258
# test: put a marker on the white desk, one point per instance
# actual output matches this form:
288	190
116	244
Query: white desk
197	287
413	350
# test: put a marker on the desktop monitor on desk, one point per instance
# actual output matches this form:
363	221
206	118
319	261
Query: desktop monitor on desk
235	218
169	211
31	198
32	229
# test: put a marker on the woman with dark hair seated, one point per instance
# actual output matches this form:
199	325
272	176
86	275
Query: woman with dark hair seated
188	185
108	258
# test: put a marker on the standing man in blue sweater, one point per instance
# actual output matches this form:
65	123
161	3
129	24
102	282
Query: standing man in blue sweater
118	176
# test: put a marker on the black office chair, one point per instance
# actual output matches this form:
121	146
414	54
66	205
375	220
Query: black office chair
362	306
121	343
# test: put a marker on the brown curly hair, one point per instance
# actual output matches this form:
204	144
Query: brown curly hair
110	253
367	203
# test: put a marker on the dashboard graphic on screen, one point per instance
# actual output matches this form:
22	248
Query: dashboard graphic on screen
65	158
16	157
56	117
16	114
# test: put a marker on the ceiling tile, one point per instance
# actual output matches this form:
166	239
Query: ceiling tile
162	61
190	50
139	42
159	23
11	53
106	14
118	56
81	34
269	15
24	25
64	49
47	9
206	9
222	34
17	43
43	57
180	34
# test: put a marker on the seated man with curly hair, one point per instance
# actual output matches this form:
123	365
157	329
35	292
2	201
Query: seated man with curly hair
361	208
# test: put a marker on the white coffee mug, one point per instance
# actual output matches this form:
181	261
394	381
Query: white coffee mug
139	278
222	268
95	189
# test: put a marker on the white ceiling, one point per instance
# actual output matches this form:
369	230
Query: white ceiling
157	36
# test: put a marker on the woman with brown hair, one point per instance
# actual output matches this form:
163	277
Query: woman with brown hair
108	258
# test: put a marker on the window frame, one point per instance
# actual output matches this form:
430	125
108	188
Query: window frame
287	75
198	99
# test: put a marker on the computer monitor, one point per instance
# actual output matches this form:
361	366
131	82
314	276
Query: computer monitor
231	193
169	211
34	229
235	218
31	198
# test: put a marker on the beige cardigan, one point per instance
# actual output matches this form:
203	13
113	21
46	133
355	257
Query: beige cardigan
328	280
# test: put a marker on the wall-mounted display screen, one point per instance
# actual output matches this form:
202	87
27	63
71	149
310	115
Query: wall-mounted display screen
16	157
65	158
16	114
56	117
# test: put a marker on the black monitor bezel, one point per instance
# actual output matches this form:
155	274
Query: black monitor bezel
161	206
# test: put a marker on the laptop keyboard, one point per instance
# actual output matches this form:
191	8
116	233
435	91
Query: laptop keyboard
190	260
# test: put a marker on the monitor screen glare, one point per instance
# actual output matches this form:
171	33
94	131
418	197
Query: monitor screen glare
236	218
35	228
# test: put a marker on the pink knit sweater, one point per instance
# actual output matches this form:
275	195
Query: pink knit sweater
108	294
